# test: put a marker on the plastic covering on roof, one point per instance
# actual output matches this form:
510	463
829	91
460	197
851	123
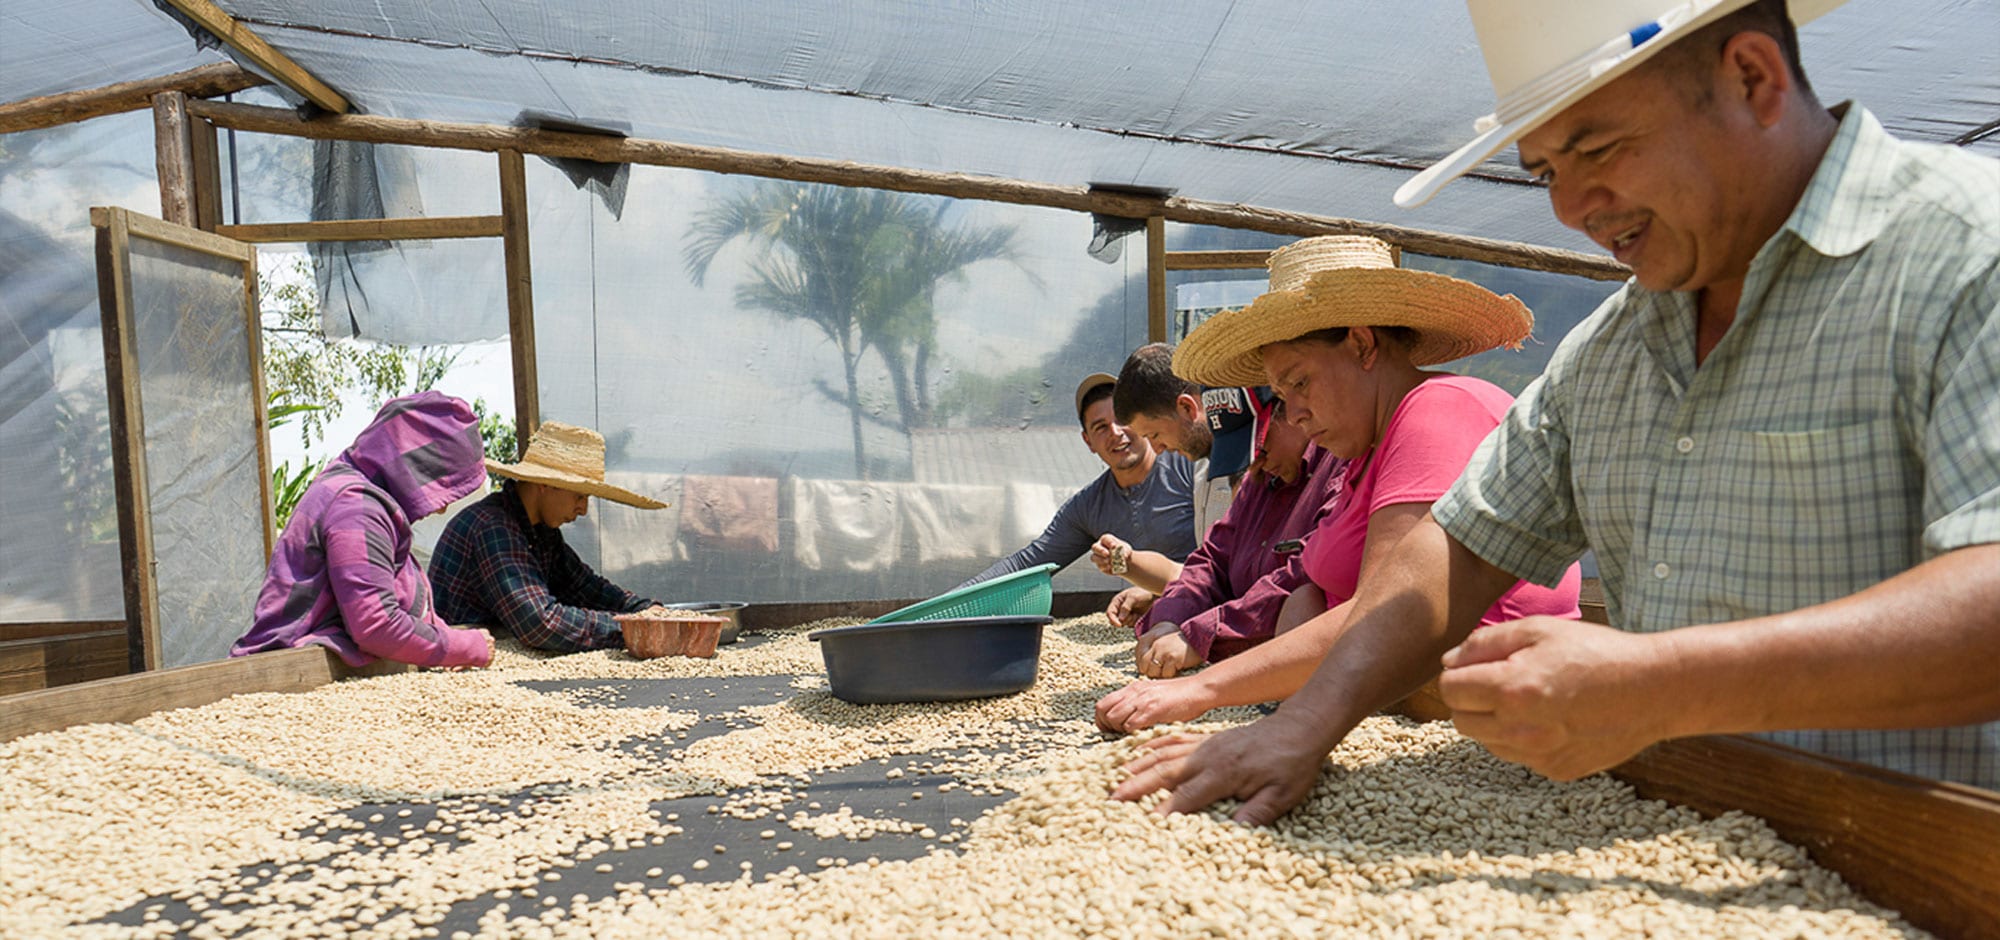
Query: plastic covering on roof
49	48
1312	107
809	457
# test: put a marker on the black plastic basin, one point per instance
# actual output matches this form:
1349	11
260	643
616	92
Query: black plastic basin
931	660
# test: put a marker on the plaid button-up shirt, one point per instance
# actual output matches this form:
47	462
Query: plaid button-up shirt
1844	430
492	567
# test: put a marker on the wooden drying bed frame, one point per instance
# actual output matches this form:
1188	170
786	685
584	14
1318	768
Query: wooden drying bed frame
1922	847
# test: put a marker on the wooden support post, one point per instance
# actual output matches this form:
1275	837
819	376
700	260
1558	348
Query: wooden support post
173	147
253	331
1156	279
520	293
207	179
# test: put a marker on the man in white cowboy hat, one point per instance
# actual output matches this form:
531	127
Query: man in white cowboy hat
1782	438
502	561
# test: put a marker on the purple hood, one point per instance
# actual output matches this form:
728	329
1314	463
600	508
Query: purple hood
423	450
343	575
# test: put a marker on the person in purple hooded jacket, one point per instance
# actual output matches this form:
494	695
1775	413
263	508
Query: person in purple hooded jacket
343	575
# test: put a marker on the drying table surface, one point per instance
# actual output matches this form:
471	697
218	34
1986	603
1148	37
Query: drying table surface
600	796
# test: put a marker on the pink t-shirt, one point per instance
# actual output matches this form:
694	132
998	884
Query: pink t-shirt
1426	446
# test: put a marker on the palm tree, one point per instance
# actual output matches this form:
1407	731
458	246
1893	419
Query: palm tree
904	331
862	265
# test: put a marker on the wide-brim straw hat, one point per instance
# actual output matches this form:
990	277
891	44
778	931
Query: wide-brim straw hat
1347	281
568	457
1545	55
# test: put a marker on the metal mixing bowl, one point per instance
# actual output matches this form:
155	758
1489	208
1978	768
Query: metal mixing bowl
727	610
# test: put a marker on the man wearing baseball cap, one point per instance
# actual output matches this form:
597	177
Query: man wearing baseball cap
1141	498
1781	438
1172	413
1235	425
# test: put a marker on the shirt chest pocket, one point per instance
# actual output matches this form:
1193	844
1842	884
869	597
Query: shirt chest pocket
1806	516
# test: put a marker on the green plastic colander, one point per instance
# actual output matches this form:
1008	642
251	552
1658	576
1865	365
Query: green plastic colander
1028	592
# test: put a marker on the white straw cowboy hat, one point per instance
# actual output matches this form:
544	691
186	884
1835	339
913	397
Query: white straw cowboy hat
1545	55
1350	280
568	457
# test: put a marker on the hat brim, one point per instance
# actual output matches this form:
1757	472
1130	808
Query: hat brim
534	473
1419	189
1091	383
1452	318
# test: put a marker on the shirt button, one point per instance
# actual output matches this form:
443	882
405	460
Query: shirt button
1684	445
1661	571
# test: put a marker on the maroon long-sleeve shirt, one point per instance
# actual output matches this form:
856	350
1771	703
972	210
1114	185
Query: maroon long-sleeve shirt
1230	590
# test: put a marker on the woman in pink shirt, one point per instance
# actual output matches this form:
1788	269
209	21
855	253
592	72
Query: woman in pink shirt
1343	337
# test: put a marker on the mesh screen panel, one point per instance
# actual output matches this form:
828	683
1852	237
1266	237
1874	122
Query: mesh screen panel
202	473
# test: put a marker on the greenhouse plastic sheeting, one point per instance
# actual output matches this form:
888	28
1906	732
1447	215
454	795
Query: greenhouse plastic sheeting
406	292
698	383
48	49
1312	107
58	511
716	394
712	391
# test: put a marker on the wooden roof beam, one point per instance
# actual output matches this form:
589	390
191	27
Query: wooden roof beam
68	107
239	37
494	138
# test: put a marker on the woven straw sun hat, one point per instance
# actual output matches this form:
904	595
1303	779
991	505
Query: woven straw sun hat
568	457
1545	55
1350	280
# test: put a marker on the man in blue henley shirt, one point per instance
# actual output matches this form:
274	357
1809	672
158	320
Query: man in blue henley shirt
1143	497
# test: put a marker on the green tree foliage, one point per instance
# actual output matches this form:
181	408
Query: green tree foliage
303	367
288	483
1023	397
497	431
861	265
310	378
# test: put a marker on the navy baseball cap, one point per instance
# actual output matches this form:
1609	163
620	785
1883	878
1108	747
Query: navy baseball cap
1236	420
